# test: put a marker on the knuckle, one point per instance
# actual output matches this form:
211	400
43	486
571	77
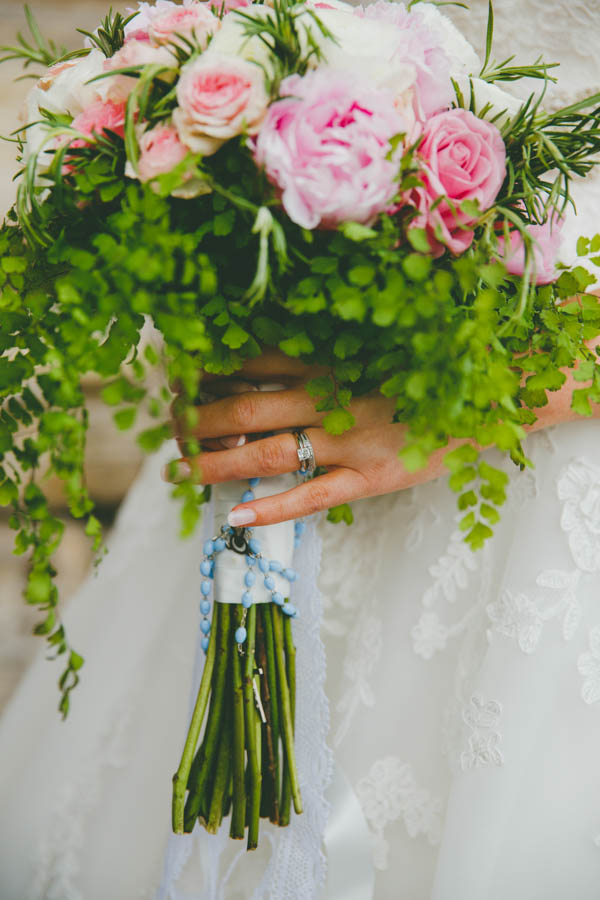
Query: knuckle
243	411
270	457
317	498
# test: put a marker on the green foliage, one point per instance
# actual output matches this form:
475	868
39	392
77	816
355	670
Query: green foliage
110	34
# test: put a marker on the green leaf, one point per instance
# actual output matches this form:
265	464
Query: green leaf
461	477
297	346
321	386
418	239
153	438
341	513
347	344
75	661
9	492
338	421
354	231
455	459
235	336
490	513
362	275
417	267
413	458
125	418
478	535
580	403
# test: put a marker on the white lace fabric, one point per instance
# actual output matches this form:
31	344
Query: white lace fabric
462	689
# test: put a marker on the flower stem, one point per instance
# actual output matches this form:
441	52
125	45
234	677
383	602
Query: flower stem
222	773
238	815
268	682
290	660
180	778
251	742
286	710
206	755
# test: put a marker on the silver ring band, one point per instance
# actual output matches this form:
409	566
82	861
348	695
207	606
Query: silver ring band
306	453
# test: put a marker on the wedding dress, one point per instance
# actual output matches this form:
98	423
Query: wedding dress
451	751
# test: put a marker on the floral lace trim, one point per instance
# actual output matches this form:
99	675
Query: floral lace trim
579	489
390	792
482	717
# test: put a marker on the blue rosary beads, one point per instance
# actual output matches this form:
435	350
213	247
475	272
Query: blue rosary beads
243	542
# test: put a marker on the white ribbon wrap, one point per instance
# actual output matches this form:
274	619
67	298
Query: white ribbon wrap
276	542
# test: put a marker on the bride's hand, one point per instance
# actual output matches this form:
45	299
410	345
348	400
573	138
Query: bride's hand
361	462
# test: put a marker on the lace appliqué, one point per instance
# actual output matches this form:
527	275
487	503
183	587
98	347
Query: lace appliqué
482	717
451	571
579	488
390	792
588	665
365	644
522	619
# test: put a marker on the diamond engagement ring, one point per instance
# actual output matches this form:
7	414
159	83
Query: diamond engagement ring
306	454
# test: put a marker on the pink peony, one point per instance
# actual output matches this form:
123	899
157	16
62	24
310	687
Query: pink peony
325	145
228	5
463	158
147	11
139	52
547	240
420	45
219	97
99	117
160	151
136	52
194	22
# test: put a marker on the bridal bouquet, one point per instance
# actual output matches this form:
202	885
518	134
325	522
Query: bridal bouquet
348	184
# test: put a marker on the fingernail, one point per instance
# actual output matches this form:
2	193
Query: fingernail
235	440
176	471
244	516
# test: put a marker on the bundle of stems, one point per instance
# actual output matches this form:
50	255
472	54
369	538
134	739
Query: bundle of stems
244	763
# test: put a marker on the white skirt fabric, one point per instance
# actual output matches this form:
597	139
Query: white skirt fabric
464	703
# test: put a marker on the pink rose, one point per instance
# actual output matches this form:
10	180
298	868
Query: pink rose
94	120
219	97
326	146
547	240
419	44
463	158
97	118
160	151
194	22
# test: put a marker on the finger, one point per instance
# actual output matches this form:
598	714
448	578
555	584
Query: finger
274	363
254	412
225	387
275	455
340	486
